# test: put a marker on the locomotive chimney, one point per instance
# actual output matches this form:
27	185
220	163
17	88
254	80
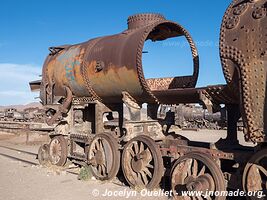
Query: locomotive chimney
144	19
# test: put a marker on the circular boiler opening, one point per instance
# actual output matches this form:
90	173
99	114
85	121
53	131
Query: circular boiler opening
169	58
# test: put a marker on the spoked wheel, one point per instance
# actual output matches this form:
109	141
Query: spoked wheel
194	173
255	176
58	150
142	163
43	154
104	156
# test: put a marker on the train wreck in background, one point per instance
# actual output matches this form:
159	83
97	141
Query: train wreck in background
87	88
193	116
32	114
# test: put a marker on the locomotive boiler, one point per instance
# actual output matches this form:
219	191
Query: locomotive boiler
88	88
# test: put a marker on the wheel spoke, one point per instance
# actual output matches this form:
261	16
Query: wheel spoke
131	152
195	168
138	180
199	198
98	169
103	169
101	148
188	164
53	159
94	151
149	156
144	177
208	198
136	149
57	158
141	147
262	169
96	145
146	170
202	171
150	166
134	175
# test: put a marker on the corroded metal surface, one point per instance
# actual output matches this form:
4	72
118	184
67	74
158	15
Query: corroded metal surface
58	150
104	67
104	156
197	171
43	155
193	117
255	174
32	114
142	164
217	94
243	54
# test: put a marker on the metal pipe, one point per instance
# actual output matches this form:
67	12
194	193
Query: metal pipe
62	109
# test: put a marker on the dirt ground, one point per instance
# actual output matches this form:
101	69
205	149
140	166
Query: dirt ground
22	178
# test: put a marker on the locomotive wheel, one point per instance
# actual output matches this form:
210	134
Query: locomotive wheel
255	174
104	156
58	149
43	154
196	171
142	163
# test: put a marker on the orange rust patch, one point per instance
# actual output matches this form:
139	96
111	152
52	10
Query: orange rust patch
112	80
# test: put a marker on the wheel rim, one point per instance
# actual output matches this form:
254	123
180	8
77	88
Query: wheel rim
255	174
193	172
98	158
55	151
142	163
43	157
103	156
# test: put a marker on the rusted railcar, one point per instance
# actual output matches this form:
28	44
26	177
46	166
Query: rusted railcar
88	88
191	116
26	115
11	114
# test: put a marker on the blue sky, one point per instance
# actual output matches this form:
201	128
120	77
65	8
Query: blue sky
29	27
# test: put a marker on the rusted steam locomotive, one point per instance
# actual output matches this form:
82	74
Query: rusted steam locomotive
27	115
87	89
192	116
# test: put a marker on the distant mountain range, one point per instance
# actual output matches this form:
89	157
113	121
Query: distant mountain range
22	107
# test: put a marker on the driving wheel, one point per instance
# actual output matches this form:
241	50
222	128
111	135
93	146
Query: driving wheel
255	176
58	150
104	156
197	175
43	154
142	163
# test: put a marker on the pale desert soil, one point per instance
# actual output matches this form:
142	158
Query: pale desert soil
29	181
